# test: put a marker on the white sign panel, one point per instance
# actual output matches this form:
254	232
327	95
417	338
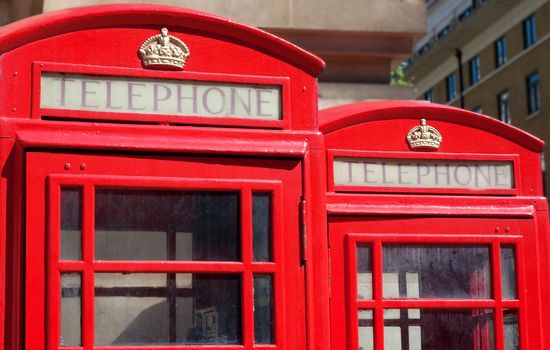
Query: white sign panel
414	173
159	96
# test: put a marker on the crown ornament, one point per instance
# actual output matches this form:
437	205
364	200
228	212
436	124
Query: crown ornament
163	51
424	137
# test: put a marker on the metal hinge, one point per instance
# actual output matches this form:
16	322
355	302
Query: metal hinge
303	229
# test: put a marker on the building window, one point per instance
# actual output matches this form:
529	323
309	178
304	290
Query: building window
429	95
533	93
504	107
466	13
500	51
444	32
475	74
478	109
451	86
529	31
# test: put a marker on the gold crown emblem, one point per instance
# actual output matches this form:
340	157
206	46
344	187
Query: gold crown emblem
424	136
163	51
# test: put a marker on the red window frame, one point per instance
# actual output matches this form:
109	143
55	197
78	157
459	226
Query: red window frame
347	234
46	280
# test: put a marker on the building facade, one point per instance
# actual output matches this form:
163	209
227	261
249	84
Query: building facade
359	47
489	57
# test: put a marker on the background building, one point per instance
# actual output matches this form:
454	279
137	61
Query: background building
360	41
488	56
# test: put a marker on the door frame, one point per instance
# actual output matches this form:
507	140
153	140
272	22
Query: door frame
47	172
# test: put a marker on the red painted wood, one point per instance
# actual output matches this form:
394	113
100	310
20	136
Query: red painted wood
347	232
281	178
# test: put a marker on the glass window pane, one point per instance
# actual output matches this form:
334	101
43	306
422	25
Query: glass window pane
261	227
167	308
167	225
436	271
508	267
438	329
364	272
71	233
70	327
263	309
511	330
366	336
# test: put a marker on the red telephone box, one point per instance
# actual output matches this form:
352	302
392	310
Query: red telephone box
153	164
166	184
437	229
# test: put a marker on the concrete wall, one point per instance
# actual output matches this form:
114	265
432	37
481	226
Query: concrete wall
354	15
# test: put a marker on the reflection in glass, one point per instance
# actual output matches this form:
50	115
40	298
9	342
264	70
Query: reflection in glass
366	337
167	225
511	330
263	309
438	329
167	308
71	209
508	266
261	227
364	272
70	313
436	271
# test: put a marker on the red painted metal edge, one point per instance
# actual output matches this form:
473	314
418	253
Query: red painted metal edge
416	206
336	118
120	15
159	138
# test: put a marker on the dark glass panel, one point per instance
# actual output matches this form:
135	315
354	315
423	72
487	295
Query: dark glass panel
167	225
263	309
70	313
160	308
436	271
433	329
261	227
71	231
364	272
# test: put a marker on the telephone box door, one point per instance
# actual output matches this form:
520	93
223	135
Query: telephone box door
163	251
434	283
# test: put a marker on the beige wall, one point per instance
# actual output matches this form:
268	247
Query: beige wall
354	15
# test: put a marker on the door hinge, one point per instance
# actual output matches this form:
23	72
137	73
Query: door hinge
303	229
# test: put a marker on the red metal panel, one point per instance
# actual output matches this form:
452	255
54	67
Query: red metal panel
108	38
337	118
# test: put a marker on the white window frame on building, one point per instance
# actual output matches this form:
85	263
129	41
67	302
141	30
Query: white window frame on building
529	31
533	92
429	95
501	55
450	83
475	73
503	100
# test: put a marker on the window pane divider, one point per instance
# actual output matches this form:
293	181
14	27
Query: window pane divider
497	293
248	278
167	266
54	275
377	292
165	347
88	284
437	303
263	267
